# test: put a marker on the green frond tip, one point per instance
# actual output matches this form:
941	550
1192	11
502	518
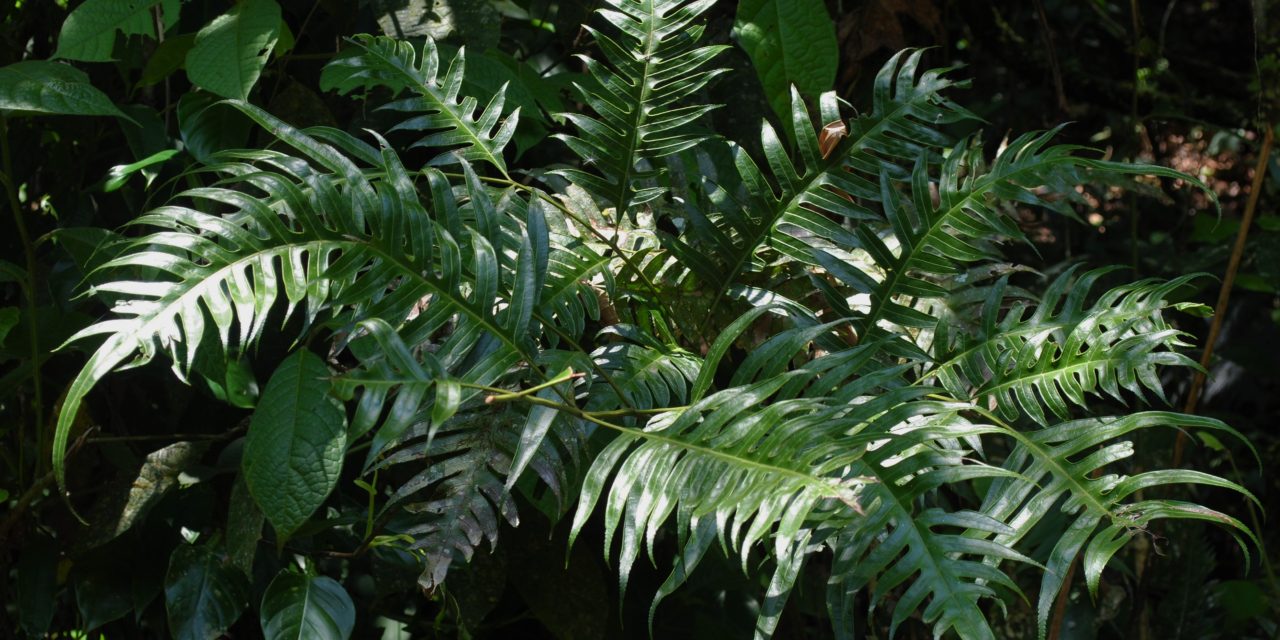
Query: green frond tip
437	107
640	94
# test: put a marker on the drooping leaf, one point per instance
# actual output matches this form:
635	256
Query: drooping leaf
41	86
230	52
790	43
299	607
293	453
204	594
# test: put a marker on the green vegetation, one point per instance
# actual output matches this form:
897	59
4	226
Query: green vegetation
426	332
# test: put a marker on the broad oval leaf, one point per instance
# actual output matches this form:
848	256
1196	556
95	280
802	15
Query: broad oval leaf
203	593
791	42
231	51
52	87
89	32
293	453
297	607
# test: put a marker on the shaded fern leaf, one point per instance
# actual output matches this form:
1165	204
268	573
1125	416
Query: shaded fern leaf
932	553
437	108
647	373
1064	468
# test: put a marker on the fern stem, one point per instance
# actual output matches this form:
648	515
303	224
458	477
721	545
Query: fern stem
1228	280
29	287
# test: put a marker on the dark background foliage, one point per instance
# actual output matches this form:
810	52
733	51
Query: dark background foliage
1182	83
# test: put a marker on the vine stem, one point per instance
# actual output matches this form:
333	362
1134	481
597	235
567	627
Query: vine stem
1224	293
29	287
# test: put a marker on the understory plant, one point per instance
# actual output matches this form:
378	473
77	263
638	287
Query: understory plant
807	350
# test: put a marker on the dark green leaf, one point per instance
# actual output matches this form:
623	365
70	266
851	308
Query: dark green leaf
298	607
293	454
170	56
204	594
230	52
791	42
52	87
89	31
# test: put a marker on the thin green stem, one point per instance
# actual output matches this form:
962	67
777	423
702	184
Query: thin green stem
515	395
29	288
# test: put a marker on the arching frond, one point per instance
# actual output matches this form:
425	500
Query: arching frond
437	108
1065	468
807	203
332	238
1054	355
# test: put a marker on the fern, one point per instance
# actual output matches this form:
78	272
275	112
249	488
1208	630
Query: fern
821	351
448	118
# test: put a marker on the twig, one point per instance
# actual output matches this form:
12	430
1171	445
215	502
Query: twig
1224	293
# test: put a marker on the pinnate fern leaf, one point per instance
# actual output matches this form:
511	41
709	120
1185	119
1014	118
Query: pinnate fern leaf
651	67
437	107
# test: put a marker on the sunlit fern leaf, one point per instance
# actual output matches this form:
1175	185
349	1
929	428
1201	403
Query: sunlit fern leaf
333	239
896	544
756	467
1063	468
935	240
653	67
437	108
1056	354
394	382
802	206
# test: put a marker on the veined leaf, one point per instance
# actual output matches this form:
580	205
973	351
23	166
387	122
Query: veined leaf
293	454
41	86
299	607
790	43
89	32
230	52
204	593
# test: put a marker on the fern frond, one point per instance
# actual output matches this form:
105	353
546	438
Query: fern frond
437	107
652	67
802	207
1053	356
1064	466
341	242
648	374
752	467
